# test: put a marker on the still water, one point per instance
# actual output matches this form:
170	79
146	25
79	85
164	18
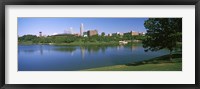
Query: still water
69	58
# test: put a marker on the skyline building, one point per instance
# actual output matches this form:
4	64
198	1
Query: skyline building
92	32
81	29
40	34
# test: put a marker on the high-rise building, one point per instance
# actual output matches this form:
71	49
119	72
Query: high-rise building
109	34
85	34
92	32
40	34
81	30
133	33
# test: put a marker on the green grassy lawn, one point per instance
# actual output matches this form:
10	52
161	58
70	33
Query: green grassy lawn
155	64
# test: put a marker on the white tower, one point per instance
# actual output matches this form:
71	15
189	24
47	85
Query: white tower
81	30
71	30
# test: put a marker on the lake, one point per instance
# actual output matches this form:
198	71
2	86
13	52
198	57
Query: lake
72	58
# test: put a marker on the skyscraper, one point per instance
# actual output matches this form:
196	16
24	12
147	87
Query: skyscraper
92	32
81	30
40	34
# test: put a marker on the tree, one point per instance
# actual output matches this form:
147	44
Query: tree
27	38
103	34
162	33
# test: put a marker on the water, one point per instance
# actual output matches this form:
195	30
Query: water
69	58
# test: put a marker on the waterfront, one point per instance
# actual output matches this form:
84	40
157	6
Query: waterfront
72	58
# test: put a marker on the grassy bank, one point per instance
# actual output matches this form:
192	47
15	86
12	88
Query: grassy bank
86	43
79	43
156	64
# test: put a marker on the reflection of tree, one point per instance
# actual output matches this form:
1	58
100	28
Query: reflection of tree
93	49
134	47
103	49
66	49
41	49
82	52
120	47
29	51
96	48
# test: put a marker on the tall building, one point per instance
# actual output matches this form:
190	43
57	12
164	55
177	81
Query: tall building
133	33
109	34
81	30
40	34
85	34
92	32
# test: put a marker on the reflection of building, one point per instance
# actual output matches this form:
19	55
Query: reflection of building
41	49
81	30
120	47
83	53
92	32
133	47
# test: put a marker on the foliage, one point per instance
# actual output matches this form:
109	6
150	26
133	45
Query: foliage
162	33
28	38
73	38
103	34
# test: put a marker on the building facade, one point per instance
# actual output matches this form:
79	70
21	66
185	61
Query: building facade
92	32
81	30
133	33
85	34
40	34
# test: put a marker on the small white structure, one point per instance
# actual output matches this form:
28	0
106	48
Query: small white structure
123	42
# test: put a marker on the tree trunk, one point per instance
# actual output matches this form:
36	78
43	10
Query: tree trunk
170	56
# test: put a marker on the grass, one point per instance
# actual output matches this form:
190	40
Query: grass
156	64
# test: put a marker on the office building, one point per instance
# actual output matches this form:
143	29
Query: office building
133	33
40	34
81	29
92	32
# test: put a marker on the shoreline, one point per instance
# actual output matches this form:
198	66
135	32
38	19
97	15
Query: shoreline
156	64
80	43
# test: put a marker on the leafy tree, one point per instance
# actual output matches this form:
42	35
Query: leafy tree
27	38
103	34
162	33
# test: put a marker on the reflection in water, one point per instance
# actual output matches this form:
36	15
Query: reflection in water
29	51
120	47
133	47
54	58
66	49
72	53
82	52
41	49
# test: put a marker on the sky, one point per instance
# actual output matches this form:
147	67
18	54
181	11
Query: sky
50	26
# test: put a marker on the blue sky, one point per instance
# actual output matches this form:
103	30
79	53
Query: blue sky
49	26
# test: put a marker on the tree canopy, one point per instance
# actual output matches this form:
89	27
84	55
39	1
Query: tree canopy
162	33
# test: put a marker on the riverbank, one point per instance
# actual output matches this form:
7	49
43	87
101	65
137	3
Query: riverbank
78	43
156	64
85	43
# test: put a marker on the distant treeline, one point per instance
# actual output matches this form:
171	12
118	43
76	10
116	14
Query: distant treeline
72	38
